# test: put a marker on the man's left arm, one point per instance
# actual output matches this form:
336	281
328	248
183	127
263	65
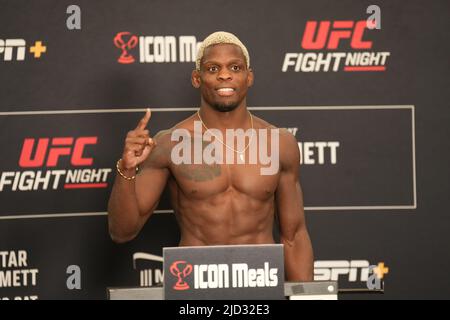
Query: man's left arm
298	252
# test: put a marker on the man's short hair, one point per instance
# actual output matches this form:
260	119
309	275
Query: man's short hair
218	38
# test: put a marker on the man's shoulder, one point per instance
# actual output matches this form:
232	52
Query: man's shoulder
285	135
160	155
260	123
287	143
164	135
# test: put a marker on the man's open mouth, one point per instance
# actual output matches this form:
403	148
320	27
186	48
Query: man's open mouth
225	92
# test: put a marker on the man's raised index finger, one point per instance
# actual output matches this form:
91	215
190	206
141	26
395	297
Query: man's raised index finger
143	122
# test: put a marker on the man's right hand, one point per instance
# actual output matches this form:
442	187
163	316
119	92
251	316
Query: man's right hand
138	145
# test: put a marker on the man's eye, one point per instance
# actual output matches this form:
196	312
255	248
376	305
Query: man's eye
235	68
212	69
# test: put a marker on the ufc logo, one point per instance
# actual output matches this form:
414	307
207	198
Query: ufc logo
6	47
61	146
316	38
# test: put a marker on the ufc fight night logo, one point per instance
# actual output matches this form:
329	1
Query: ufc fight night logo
321	46
63	146
40	157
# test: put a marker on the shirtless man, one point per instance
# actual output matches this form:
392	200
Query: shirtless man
219	203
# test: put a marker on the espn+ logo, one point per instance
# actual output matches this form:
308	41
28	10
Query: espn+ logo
351	270
14	49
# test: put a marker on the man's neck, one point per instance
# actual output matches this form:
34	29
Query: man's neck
237	118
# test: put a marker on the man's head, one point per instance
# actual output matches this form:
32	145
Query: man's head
222	72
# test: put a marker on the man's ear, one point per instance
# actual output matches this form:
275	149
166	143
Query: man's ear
250	77
195	79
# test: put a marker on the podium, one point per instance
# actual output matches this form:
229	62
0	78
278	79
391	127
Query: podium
320	290
227	272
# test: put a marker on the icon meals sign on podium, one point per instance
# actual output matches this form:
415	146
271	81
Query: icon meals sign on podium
224	272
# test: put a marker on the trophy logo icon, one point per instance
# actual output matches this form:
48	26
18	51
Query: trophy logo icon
125	45
181	274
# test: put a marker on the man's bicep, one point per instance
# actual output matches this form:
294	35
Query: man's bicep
150	184
289	192
154	173
289	206
293	232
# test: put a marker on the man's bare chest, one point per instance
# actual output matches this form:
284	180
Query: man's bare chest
202	180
